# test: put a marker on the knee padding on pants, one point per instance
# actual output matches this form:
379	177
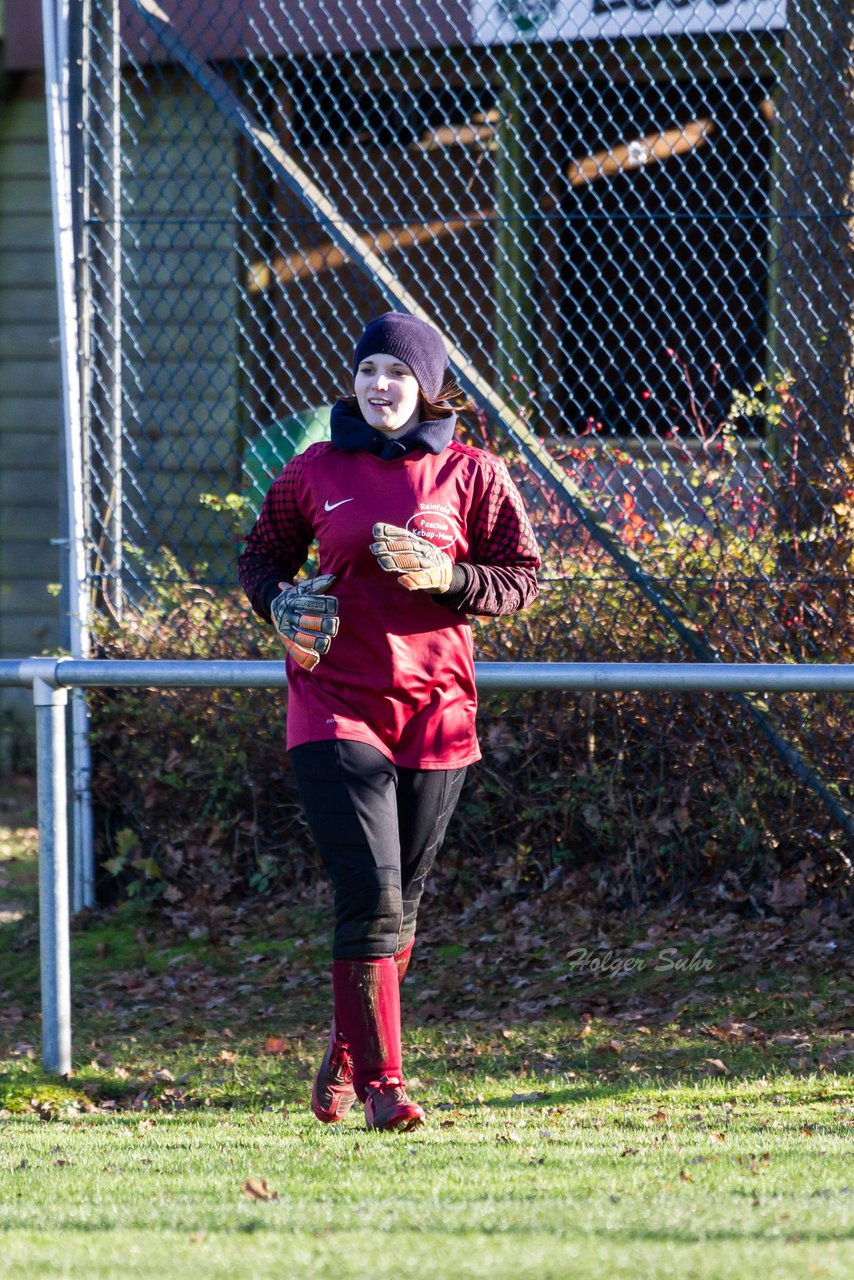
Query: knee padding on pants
368	914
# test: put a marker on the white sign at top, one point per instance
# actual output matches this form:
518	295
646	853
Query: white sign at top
509	21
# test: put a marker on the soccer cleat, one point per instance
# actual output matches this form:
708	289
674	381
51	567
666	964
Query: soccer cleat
388	1107
332	1094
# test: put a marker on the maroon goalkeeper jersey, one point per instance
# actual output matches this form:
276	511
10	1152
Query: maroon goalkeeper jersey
400	673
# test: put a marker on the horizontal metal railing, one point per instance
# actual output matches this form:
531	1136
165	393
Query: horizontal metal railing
50	679
631	677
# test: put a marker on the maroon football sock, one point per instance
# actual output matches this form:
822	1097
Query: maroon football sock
367	1014
401	961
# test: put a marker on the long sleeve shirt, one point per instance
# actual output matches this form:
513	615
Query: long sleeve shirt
400	673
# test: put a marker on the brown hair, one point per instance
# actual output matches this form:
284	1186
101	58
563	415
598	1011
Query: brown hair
439	408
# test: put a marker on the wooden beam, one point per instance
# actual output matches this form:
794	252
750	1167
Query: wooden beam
653	148
301	266
479	132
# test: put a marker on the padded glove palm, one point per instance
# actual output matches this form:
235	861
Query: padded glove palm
305	618
422	567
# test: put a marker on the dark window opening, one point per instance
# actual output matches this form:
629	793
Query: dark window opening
663	269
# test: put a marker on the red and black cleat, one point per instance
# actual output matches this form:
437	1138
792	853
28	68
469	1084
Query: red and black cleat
332	1094
388	1107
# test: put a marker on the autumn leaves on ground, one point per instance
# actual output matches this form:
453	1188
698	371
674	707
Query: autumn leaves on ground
646	1094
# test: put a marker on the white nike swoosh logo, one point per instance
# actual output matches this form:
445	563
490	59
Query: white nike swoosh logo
330	506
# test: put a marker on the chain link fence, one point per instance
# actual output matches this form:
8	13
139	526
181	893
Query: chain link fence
629	220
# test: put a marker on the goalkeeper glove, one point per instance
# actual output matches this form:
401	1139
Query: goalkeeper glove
422	567
305	618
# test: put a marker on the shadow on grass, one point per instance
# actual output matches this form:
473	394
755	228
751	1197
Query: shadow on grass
641	1093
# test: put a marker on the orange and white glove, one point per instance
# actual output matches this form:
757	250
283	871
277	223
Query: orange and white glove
422	567
306	619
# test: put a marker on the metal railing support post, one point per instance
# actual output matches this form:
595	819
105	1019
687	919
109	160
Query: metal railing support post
50	702
62	90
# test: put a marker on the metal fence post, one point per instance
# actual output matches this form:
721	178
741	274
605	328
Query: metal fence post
54	940
62	87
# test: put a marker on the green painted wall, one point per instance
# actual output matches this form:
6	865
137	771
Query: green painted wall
30	418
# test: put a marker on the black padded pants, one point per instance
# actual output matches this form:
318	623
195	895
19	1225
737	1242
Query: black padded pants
378	829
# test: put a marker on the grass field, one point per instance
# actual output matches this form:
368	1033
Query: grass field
681	1108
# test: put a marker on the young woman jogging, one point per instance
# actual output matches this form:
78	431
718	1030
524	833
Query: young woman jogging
414	532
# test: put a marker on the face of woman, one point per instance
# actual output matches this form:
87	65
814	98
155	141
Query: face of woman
387	393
